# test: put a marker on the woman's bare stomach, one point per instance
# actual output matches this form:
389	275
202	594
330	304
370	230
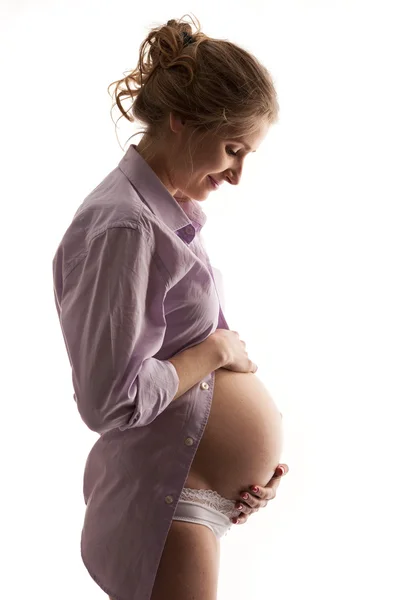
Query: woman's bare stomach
242	442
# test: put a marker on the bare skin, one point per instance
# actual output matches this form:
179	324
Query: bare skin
189	565
243	439
242	436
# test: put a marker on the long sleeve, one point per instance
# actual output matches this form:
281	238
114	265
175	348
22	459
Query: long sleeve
113	323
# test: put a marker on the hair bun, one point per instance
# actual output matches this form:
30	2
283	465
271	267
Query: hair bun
216	86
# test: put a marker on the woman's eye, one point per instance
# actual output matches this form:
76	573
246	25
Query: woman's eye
231	152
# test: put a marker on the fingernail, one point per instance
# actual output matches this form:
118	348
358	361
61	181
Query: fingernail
234	520
244	495
280	471
254	489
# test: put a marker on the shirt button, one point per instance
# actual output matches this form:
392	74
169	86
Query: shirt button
189	441
204	385
169	499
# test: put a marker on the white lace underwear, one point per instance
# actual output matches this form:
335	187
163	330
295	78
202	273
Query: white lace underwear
211	499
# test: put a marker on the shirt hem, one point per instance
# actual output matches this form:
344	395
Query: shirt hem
96	579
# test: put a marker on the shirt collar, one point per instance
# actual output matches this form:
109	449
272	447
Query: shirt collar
184	218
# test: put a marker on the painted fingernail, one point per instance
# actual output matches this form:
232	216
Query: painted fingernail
280	471
235	520
244	495
239	506
254	489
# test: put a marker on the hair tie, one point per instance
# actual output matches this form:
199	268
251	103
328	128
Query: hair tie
187	39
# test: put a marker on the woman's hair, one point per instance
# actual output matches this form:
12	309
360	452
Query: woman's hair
214	85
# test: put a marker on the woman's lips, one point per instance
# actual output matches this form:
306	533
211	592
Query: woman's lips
214	183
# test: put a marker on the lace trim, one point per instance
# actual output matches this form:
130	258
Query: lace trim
210	498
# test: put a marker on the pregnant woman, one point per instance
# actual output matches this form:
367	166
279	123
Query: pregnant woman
186	429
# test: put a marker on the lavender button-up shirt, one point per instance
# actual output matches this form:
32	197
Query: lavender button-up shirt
133	286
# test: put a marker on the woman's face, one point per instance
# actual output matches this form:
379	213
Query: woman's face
221	159
185	161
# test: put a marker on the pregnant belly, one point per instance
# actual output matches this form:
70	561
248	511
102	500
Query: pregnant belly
242	442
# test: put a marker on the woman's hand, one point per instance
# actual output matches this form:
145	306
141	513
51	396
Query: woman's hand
260	499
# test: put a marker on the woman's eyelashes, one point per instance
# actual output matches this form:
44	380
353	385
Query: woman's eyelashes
231	152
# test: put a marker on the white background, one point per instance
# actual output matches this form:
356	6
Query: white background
310	260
